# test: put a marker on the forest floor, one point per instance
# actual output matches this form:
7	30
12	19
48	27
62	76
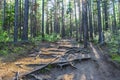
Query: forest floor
62	60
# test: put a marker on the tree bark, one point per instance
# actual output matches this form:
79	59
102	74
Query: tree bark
76	21
99	22
16	22
90	21
114	15
43	20
4	15
84	4
106	15
63	25
25	27
80	27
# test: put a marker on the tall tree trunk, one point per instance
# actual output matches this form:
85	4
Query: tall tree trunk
16	22
43	20
4	15
47	23
84	4
51	23
76	21
25	27
94	21
99	22
9	16
82	28
80	31
55	18
63	26
119	12
31	19
106	15
70	14
70	25
90	21
35	19
114	15
20	17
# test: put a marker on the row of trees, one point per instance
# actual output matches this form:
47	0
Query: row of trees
82	19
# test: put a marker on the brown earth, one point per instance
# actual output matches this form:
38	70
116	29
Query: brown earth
97	67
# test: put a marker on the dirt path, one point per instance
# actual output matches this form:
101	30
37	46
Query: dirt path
95	68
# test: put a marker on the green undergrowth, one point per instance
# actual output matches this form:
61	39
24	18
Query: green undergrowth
4	36
49	38
12	52
15	50
52	38
113	43
116	57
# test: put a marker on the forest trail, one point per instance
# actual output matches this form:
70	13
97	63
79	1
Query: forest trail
91	63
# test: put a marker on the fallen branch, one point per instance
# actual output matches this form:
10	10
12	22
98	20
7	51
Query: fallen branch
36	69
63	63
73	50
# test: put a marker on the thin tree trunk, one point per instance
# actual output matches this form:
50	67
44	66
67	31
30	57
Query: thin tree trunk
70	26
51	24
119	12
4	15
43	20
20	18
114	15
47	24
